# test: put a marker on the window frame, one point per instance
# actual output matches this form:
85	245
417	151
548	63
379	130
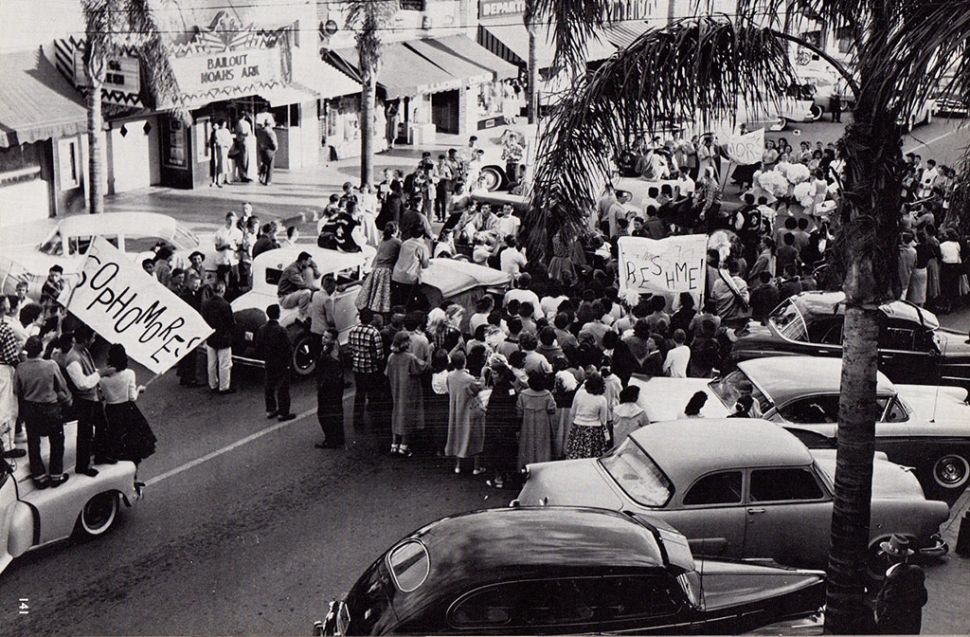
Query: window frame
716	505
809	469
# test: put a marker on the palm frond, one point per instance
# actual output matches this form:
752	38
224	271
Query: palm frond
368	19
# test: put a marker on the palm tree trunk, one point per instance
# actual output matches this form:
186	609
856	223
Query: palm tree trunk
96	176
533	86
368	98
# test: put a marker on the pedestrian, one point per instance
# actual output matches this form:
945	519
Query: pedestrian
227	240
268	145
403	373
367	364
628	416
375	291
9	359
218	314
587	436
466	417
406	275
41	389
899	604
132	437
330	392
501	423
536	406
678	358
694	406
246	149
436	401
222	142
83	378
273	346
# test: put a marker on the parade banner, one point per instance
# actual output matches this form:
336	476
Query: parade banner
746	149
669	266
124	304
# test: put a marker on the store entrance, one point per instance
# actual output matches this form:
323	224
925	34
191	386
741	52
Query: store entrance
444	111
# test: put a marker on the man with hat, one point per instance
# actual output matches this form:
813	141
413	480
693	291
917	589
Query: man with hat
899	605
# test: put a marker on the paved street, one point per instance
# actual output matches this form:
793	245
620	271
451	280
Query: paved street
246	528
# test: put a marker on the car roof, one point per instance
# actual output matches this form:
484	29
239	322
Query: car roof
816	375
137	223
821	303
689	447
453	277
327	260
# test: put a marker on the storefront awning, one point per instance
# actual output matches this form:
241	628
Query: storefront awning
36	102
622	34
329	82
283	95
463	57
511	42
405	72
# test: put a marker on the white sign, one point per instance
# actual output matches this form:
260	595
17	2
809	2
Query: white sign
746	149
124	304
670	266
232	72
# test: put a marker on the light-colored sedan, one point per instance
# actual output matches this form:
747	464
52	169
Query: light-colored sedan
737	488
919	426
134	233
30	518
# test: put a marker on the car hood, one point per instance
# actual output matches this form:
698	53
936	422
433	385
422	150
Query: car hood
730	584
576	483
890	481
664	398
937	411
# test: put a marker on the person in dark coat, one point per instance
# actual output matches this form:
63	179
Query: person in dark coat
218	347
899	605
274	348
502	424
393	206
330	392
190	369
268	145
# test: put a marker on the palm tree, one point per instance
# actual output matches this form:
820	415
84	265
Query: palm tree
115	28
369	18
712	64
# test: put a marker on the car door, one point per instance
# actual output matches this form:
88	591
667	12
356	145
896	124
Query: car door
788	516
711	514
907	354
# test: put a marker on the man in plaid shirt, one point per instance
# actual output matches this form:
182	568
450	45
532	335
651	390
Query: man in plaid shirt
9	357
367	350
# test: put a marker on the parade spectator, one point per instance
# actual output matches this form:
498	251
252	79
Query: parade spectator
273	347
587	436
951	270
218	314
9	359
83	378
403	372
293	289
437	402
536	408
502	424
268	144
548	347
899	604
731	296
906	262
533	360
675	364
52	288
330	391
628	416
190	369
742	407
131	435
512	258
337	232
694	406
41	389
787	259
764	294
466	416
916	292
406	275
367	364
227	240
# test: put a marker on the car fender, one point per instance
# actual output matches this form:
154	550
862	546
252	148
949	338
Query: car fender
58	509
912	518
22	530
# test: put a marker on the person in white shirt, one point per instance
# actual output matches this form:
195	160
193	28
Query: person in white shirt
686	184
512	260
227	240
507	223
522	293
678	358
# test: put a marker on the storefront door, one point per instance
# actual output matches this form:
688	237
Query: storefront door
444	111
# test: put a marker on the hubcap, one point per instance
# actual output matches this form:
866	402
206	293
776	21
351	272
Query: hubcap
951	471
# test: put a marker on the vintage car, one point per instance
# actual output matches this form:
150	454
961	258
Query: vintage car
30	518
558	570
492	167
775	116
913	348
927	428
445	279
134	233
739	488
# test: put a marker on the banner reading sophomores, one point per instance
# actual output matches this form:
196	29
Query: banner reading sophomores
668	266
124	304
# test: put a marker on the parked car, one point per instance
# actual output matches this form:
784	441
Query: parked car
739	488
492	165
134	233
913	348
927	428
775	116
30	518
445	279
555	570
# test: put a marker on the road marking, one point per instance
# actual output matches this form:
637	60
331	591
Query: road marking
928	142
239	443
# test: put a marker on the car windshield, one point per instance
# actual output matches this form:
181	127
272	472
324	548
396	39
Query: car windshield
638	475
728	389
53	246
185	239
789	322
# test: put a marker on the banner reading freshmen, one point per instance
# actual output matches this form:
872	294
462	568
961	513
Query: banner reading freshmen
670	266
124	304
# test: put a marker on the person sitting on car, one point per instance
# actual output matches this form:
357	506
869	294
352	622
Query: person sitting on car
293	289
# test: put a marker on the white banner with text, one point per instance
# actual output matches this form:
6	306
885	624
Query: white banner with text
746	149
669	266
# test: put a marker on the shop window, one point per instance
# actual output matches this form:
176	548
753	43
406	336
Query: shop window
69	169
413	5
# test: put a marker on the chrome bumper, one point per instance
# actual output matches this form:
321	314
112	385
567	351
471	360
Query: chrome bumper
937	548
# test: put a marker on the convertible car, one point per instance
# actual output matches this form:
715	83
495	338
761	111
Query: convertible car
134	233
30	518
913	348
445	279
558	570
738	488
927	428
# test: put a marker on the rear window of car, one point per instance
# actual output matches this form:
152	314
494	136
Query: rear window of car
784	485
638	475
409	564
716	488
789	322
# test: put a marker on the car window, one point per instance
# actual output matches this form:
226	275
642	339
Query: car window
637	474
728	388
184	238
897	338
80	245
894	410
717	488
349	275
53	246
789	322
273	276
826	333
409	564
784	485
564	601
136	244
814	409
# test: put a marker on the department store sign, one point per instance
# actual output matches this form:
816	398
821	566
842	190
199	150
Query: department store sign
498	8
230	60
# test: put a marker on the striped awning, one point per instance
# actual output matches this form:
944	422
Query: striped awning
36	102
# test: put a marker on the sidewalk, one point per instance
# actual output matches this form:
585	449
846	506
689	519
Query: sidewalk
948	582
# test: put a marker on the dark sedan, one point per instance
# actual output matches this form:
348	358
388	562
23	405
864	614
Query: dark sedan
913	348
559	570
